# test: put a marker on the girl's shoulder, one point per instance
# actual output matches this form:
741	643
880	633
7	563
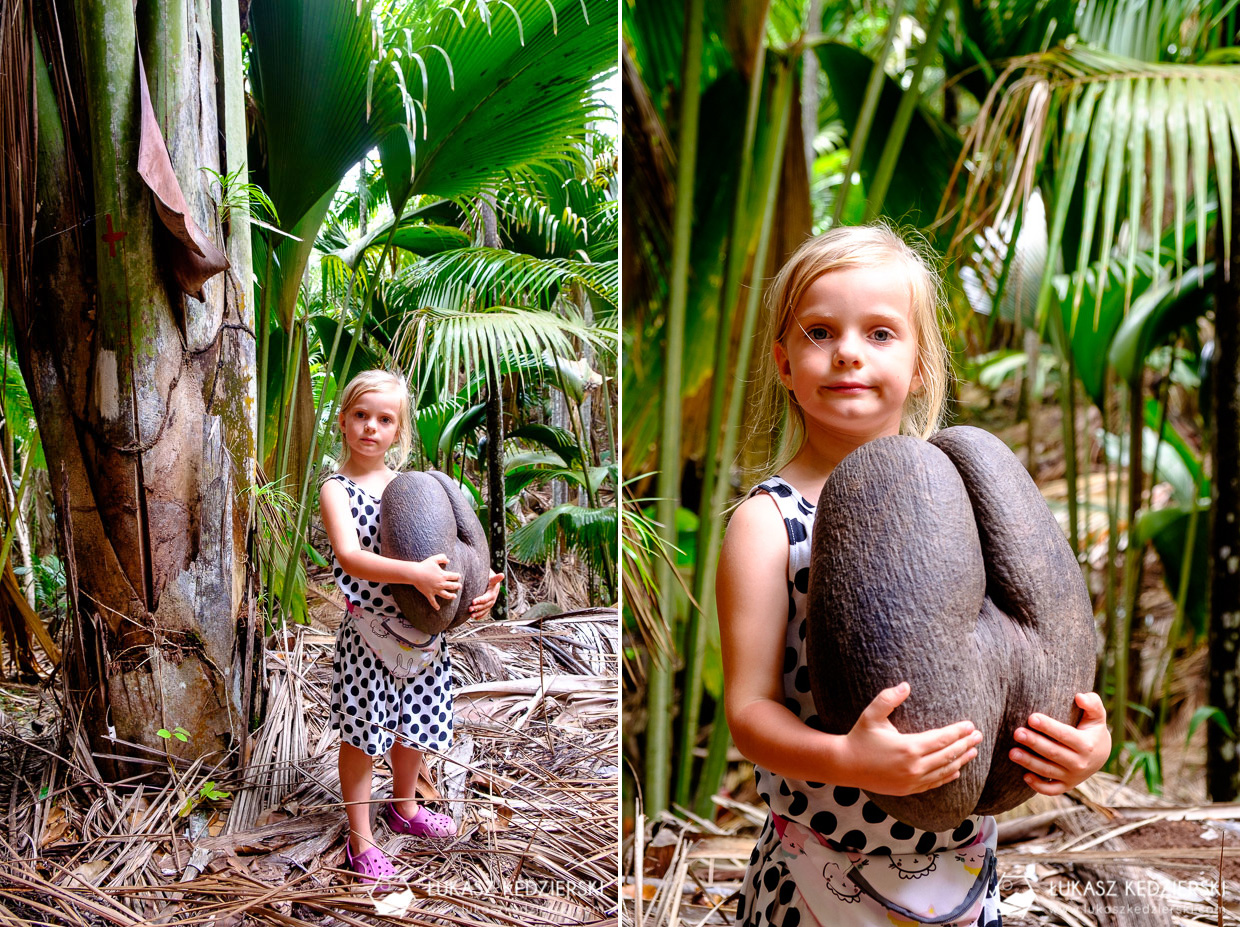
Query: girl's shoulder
369	486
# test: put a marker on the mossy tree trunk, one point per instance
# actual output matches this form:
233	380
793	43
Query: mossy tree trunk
144	394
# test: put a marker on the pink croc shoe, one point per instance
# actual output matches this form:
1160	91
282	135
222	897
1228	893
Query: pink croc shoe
425	823
371	865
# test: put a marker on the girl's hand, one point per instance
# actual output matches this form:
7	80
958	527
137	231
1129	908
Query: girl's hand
1060	757
432	579
883	760
481	606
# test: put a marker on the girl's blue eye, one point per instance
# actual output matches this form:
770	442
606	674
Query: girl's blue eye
817	333
885	335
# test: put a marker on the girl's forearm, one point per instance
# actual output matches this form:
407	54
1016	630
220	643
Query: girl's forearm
375	568
774	738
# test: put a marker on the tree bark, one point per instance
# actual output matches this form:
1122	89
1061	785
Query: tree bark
144	395
1222	761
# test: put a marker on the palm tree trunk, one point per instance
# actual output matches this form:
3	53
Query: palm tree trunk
495	484
495	440
144	395
1222	760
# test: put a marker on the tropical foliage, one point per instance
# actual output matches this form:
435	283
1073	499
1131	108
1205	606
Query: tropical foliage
419	186
1074	163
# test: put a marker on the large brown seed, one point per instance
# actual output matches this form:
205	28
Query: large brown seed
423	514
940	564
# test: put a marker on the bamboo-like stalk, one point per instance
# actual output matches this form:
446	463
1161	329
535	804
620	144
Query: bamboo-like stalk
1132	560
894	143
1067	400
716	470
782	111
869	106
659	729
312	461
264	344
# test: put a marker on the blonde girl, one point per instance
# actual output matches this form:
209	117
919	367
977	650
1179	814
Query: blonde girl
376	711
855	353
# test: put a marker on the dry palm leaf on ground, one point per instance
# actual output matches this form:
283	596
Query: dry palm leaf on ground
1105	855
531	777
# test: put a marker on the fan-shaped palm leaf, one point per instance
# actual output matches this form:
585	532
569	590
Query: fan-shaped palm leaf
591	533
475	99
519	92
470	344
1128	114
449	278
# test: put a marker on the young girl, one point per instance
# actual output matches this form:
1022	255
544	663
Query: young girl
856	353
375	710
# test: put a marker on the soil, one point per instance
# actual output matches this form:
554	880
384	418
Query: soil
1166	834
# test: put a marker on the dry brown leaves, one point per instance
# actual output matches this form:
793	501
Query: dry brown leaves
532	778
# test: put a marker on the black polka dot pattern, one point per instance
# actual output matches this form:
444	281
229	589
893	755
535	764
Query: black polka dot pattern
844	815
371	707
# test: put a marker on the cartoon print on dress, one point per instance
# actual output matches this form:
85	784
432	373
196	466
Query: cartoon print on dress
900	921
973	857
839	884
795	837
914	866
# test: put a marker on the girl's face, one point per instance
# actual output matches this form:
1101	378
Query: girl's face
369	425
849	355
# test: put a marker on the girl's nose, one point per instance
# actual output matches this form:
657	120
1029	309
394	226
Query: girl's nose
846	352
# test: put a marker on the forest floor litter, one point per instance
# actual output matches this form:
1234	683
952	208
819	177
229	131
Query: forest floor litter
531	778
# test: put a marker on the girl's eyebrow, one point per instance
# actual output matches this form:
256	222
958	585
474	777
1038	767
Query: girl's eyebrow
871	315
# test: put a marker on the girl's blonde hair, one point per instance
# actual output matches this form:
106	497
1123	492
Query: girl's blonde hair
371	381
871	245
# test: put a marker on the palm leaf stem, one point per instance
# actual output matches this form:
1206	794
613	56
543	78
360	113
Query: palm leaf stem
718	483
1111	481
904	116
659	728
293	363
264	343
869	106
312	459
1132	558
735	259
17	508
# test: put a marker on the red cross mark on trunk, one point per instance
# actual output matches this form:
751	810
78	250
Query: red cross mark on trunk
112	237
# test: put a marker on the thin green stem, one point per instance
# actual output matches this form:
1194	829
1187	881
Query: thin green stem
659	727
869	106
904	116
735	259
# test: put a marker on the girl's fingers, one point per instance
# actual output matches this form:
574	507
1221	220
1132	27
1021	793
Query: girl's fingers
1036	765
952	757
1045	747
1057	730
1055	787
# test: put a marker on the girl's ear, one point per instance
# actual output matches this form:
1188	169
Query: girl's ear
782	366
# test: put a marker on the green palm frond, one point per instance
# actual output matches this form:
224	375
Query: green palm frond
469	344
449	279
590	533
467	99
520	92
1125	120
527	468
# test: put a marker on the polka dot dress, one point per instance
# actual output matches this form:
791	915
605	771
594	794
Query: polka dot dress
371	707
843	815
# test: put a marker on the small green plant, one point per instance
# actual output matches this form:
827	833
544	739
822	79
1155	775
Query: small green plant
247	198
207	792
